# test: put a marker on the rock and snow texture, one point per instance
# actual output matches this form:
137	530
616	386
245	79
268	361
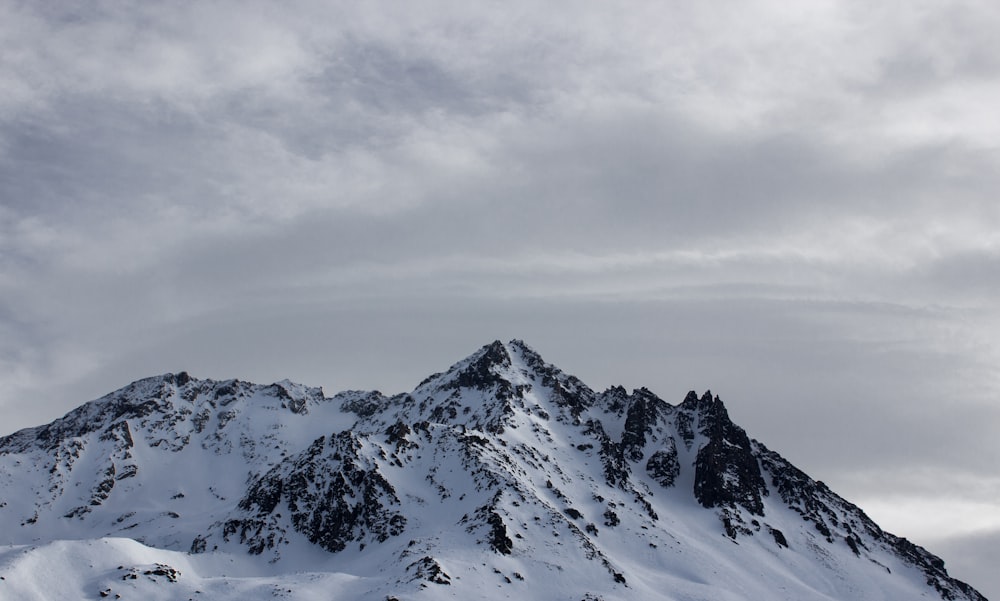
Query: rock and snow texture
502	477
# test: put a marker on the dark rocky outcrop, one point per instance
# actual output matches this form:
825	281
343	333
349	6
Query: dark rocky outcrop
645	412
332	493
663	466
481	373
726	470
428	569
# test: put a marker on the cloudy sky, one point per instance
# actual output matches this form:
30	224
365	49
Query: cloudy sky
792	204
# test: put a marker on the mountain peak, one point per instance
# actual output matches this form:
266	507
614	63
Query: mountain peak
491	364
479	370
487	388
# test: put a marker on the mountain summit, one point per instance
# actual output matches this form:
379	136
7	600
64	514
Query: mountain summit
500	477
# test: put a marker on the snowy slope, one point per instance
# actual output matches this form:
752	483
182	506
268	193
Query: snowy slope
502	477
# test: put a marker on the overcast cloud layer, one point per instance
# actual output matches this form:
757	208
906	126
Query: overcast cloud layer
793	204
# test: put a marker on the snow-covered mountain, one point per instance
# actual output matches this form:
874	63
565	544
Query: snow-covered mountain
502	477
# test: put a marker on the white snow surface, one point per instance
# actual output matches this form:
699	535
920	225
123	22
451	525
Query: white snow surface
488	481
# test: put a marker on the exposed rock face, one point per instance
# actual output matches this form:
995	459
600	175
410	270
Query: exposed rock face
663	465
332	494
646	413
483	373
726	471
503	455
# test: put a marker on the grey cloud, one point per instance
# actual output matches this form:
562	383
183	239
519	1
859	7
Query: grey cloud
389	81
624	161
944	44
970	275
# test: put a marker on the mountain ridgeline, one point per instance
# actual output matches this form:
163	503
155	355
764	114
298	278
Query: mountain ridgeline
502	475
